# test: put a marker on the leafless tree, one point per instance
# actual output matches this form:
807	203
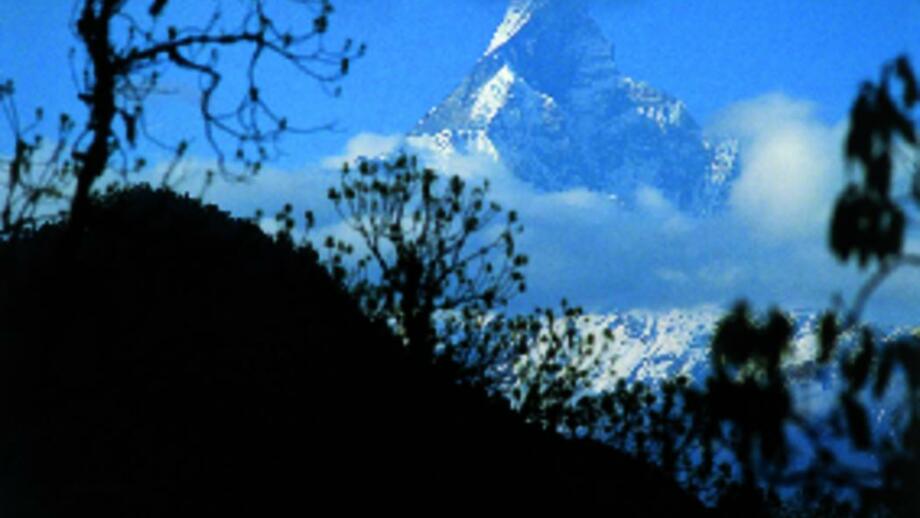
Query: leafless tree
124	52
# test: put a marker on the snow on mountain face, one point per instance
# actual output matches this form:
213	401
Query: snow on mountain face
651	346
655	345
546	99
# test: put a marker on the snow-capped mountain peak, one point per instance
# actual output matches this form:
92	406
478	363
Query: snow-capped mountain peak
547	100
521	12
518	15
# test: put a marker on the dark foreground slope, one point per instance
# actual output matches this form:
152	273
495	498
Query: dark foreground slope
180	362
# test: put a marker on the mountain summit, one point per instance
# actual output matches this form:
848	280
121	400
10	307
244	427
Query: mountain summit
546	99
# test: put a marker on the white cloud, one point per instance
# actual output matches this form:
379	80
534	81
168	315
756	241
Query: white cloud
587	248
770	247
791	167
367	145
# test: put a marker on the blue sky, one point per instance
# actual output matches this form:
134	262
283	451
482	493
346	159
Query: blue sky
777	73
708	53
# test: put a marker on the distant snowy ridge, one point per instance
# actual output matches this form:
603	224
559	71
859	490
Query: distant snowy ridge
654	346
649	346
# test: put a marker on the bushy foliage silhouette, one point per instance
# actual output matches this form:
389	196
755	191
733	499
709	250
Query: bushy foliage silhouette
561	380
218	370
869	224
747	402
437	257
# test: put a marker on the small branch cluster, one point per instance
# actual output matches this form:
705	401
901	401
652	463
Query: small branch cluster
35	172
139	62
432	250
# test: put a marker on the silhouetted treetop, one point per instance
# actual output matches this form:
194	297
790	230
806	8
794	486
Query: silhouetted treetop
436	255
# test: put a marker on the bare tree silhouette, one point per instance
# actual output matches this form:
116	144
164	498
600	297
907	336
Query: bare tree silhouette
124	53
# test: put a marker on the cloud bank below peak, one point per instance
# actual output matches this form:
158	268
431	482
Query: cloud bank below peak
769	245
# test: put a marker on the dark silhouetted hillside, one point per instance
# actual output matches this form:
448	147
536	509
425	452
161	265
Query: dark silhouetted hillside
178	361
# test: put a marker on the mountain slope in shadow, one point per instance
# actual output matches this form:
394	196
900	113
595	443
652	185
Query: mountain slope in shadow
180	362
